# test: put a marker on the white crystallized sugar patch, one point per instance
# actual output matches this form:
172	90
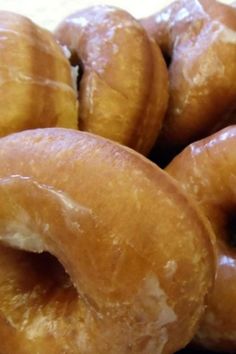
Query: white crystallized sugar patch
49	13
152	305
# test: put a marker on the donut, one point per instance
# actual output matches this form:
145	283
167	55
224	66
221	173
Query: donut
35	78
101	251
198	38
123	81
206	170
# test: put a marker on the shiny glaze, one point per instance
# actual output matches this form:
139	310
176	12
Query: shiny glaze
102	210
207	171
199	37
123	92
35	79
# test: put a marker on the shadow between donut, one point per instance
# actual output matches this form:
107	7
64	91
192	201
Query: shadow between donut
78	66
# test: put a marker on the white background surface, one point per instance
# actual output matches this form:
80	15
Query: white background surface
48	13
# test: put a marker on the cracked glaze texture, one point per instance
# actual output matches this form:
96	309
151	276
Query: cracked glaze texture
137	256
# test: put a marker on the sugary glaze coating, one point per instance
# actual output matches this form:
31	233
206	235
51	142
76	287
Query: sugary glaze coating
207	171
136	249
123	92
199	38
35	78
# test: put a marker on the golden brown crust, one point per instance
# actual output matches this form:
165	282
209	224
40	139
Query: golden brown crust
123	92
207	171
134	246
199	37
35	78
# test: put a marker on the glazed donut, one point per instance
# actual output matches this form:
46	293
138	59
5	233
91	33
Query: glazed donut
123	91
103	211
199	38
207	171
35	78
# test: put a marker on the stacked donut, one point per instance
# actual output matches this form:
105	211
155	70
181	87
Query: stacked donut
101	250
198	38
123	91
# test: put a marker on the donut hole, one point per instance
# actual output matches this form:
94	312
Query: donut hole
47	268
77	68
50	280
35	291
37	280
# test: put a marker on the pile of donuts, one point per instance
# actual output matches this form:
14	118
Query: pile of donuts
118	182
